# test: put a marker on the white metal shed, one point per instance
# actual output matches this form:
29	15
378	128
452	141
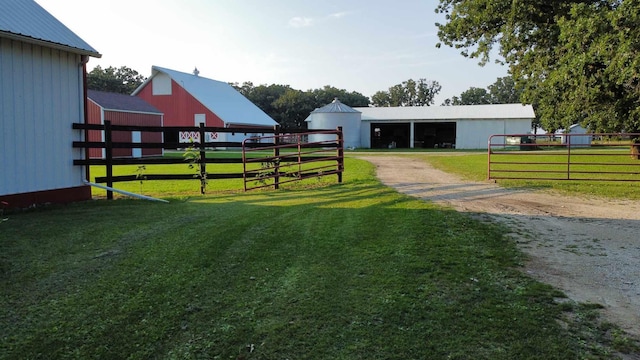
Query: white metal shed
578	136
42	66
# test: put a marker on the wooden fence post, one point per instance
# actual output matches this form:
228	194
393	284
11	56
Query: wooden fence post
202	161
340	153
276	155
108	154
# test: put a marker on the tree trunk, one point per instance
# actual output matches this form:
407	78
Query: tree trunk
635	151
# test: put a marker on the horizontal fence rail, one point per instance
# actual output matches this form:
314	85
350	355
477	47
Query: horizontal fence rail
582	157
292	157
189	142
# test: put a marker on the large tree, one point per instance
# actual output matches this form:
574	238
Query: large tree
263	96
408	93
576	60
597	77
503	91
121	80
293	107
327	93
471	96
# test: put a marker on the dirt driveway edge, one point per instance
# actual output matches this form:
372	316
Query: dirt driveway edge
588	248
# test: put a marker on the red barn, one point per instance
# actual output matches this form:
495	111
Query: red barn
123	109
190	99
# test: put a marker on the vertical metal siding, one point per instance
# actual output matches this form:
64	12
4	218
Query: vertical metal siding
41	97
97	115
130	118
7	128
94	112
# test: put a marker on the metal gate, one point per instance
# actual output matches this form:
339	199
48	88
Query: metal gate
269	161
588	157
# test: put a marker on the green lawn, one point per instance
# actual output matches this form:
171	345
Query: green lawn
474	167
185	188
351	271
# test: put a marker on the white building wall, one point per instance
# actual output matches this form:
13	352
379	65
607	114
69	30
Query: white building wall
518	126
161	84
365	134
576	140
474	134
350	122
40	97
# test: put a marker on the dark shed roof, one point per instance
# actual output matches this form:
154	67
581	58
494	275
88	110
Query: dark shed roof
121	102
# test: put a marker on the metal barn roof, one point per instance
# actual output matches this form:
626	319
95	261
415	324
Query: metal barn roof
335	107
468	112
121	102
219	97
27	21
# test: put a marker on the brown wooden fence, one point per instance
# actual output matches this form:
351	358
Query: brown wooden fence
201	153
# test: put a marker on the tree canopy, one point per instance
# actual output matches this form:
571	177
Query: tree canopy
290	107
472	96
408	93
121	80
503	91
577	61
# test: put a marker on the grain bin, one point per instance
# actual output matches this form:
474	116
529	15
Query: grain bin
333	115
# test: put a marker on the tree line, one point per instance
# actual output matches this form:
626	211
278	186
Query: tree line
289	107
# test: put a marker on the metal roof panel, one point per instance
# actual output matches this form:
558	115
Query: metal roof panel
28	21
335	107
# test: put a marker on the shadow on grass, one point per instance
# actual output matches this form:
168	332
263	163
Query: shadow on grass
460	192
354	272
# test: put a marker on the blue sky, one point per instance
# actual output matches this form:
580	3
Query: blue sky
358	45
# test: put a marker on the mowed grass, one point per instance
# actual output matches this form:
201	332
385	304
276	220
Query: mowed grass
351	271
186	188
473	166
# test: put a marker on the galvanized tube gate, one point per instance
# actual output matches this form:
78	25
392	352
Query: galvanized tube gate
583	157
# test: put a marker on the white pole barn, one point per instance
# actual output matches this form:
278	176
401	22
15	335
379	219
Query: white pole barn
460	127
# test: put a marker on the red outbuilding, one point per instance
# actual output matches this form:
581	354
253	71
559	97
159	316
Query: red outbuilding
123	109
191	100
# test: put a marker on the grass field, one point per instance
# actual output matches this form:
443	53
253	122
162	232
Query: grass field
351	271
473	166
182	188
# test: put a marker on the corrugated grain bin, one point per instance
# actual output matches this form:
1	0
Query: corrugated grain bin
330	117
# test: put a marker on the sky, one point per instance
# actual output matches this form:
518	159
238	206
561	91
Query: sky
356	45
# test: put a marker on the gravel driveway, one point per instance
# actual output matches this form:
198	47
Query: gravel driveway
588	248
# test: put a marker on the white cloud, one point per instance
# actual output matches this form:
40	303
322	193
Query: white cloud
339	14
303	21
299	22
